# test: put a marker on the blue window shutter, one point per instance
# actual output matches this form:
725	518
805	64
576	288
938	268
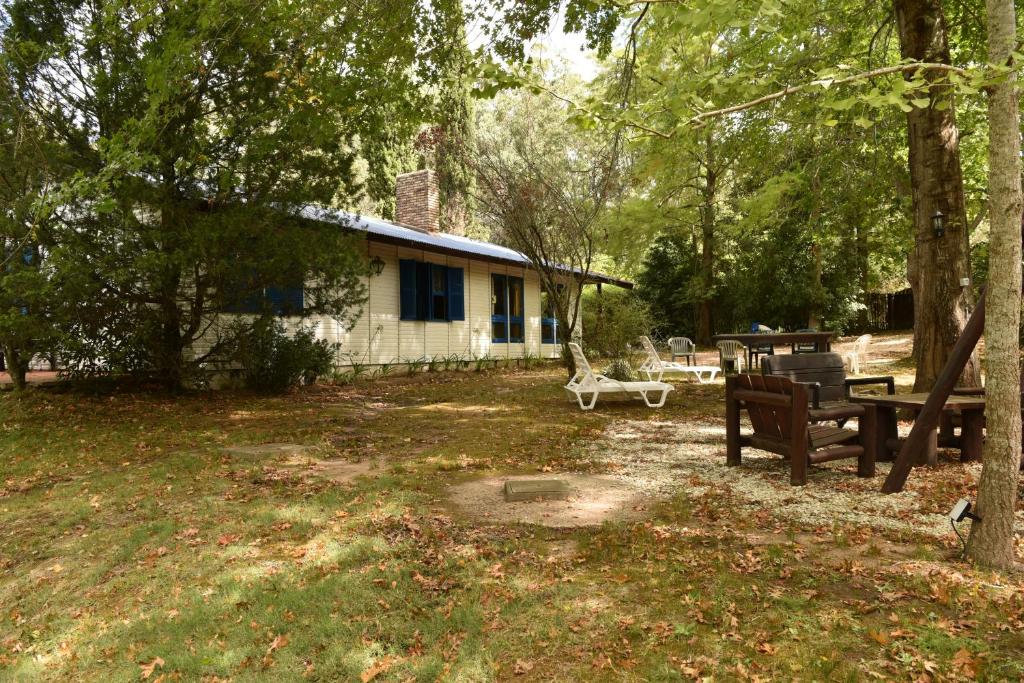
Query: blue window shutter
407	277
456	305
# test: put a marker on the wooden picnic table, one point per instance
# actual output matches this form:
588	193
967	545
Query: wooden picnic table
751	339
972	431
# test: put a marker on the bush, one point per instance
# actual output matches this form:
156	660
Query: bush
620	369
273	361
612	322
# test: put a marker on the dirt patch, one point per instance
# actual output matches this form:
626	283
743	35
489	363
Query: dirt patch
593	499
267	449
337	470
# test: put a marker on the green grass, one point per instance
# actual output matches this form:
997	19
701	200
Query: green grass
128	535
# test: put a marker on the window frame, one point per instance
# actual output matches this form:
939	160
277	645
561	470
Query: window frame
416	292
547	318
506	320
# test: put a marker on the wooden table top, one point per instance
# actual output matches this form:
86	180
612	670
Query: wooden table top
774	337
916	401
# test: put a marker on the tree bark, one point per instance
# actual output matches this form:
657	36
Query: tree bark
936	264
16	366
707	256
991	539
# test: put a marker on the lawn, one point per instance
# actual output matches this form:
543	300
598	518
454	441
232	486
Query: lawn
133	546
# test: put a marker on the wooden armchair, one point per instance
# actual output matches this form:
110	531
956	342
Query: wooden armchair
779	412
829	385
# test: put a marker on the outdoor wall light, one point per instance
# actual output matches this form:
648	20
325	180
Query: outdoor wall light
938	224
960	512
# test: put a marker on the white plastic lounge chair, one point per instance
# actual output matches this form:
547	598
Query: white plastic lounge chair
654	365
857	354
730	351
586	382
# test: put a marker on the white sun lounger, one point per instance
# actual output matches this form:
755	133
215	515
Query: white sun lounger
586	382
654	367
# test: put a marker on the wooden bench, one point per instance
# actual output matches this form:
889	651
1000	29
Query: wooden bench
829	386
779	411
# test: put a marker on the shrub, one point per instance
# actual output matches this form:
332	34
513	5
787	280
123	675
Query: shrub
613	321
273	361
620	369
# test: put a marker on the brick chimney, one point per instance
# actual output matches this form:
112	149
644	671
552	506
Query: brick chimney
417	200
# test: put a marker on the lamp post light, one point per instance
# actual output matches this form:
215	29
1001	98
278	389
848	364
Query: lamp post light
938	224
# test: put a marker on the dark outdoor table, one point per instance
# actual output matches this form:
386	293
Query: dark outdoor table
972	431
749	339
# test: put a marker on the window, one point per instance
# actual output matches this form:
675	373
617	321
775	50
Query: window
429	291
548	320
279	300
507	321
438	294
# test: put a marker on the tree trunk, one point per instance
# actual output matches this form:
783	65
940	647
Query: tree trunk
817	290
991	540
707	254
936	264
170	344
16	366
863	272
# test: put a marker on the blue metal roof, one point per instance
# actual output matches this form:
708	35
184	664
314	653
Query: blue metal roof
379	230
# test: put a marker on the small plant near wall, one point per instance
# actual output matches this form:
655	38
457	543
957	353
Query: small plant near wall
434	363
482	362
384	369
415	365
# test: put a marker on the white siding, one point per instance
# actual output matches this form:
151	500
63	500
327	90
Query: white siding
379	336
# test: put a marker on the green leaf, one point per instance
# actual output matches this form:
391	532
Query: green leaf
863	122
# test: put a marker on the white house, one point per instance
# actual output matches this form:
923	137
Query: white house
440	295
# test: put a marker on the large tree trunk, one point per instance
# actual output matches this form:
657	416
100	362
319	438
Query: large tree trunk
991	541
16	366
936	264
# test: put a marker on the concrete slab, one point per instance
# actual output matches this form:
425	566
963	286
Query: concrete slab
536	489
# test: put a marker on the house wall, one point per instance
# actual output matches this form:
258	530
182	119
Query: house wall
378	336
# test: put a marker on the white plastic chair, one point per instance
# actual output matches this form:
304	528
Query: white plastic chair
858	354
683	347
589	383
730	351
654	365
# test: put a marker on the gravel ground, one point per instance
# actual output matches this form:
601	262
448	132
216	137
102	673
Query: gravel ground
662	458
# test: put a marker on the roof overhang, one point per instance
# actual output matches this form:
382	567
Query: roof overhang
387	232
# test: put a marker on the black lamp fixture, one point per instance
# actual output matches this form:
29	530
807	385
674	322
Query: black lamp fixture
938	224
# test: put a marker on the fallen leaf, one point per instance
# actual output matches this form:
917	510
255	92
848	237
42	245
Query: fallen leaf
277	643
148	669
377	668
879	637
227	539
522	667
966	663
